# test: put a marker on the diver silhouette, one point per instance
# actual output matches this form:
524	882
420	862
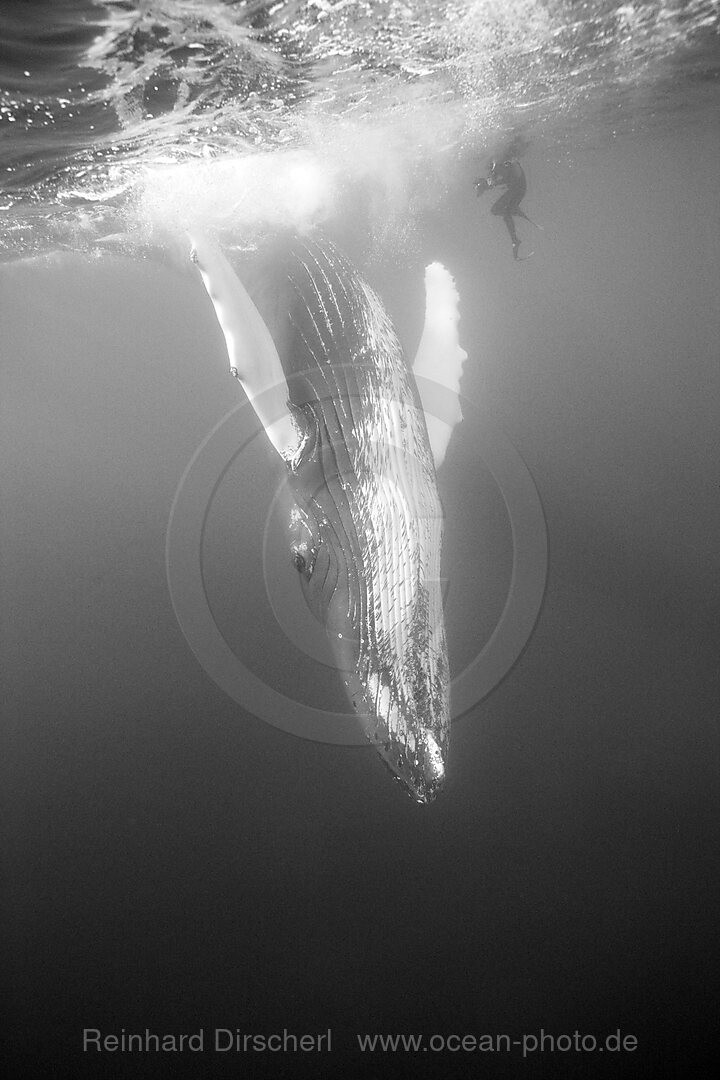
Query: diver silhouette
507	174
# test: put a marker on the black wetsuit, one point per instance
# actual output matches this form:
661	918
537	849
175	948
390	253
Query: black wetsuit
509	174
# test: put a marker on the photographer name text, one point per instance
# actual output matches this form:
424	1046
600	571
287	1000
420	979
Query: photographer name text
219	1040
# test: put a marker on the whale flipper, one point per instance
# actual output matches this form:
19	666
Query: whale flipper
254	359
438	364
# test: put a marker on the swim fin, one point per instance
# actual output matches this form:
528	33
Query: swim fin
520	258
522	214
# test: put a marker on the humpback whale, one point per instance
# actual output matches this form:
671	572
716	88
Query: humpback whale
361	434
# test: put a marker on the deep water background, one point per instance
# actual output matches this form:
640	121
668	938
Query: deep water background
174	863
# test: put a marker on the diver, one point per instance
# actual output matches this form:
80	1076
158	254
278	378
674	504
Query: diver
507	174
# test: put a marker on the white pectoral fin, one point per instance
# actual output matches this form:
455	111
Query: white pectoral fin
251	350
439	361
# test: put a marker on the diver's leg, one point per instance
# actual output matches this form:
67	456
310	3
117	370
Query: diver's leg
505	208
510	225
502	205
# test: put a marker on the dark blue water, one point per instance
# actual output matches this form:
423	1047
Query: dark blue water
172	862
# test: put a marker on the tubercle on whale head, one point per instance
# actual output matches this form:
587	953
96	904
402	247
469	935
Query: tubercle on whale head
423	776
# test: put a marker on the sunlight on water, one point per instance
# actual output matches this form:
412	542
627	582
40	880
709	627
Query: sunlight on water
300	188
258	190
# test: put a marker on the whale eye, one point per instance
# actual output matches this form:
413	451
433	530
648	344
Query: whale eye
299	561
303	546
